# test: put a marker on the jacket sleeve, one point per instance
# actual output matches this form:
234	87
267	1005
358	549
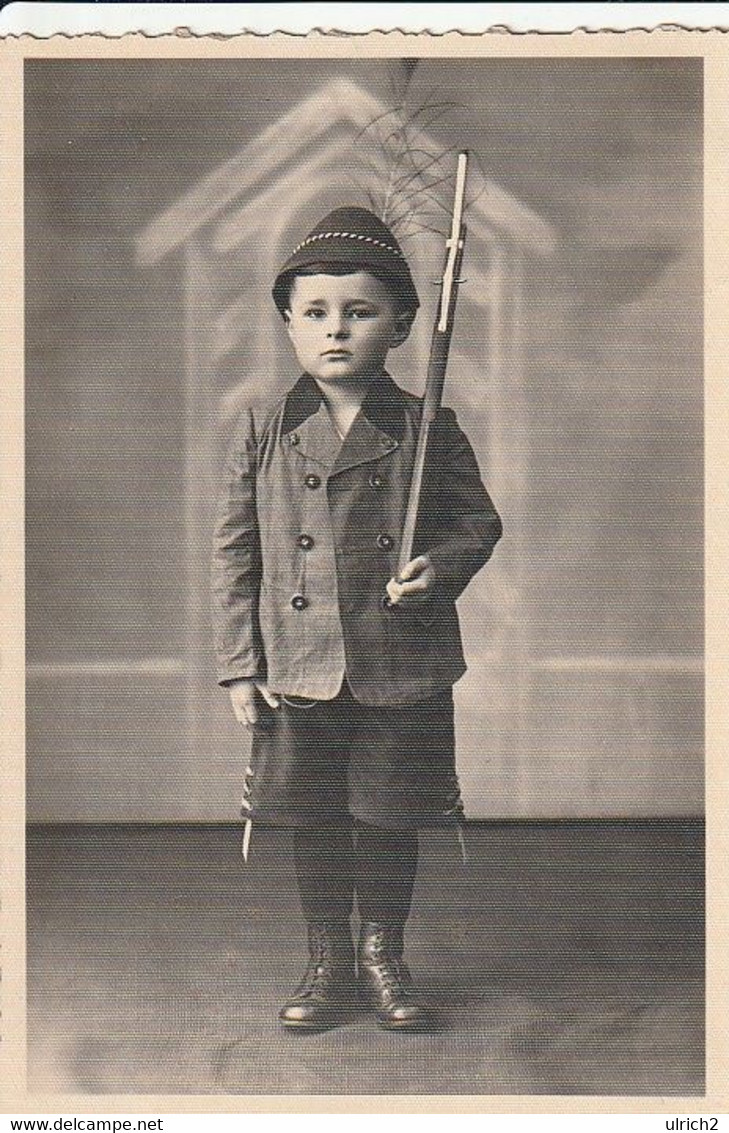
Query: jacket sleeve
236	563
467	526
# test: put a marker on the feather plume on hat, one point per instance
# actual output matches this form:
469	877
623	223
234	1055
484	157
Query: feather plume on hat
412	170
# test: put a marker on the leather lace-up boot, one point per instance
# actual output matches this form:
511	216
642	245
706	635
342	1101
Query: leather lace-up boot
385	982
328	990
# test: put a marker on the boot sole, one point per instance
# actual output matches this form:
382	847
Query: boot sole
335	1020
301	1028
420	1027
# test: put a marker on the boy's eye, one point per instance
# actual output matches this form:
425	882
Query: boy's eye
361	313
314	313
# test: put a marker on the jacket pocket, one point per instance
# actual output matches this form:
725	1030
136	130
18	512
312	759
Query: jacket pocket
426	614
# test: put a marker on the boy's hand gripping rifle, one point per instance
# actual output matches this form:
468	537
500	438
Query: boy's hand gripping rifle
439	346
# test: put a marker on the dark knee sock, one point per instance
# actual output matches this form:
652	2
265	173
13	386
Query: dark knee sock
385	866
324	862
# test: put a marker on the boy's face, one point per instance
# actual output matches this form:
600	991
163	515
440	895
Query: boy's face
342	326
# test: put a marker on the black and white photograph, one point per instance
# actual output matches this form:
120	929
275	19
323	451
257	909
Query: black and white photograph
364	573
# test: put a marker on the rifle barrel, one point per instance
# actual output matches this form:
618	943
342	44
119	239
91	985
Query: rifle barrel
439	348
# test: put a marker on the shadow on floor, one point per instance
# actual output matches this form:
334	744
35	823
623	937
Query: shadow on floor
567	958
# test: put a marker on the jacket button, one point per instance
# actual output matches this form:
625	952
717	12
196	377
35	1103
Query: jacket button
375	480
294	439
306	542
312	480
385	542
299	602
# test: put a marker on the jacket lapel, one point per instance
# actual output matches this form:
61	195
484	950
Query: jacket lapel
318	439
377	429
364	442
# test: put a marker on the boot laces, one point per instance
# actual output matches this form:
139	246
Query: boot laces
393	975
317	977
321	946
321	963
393	970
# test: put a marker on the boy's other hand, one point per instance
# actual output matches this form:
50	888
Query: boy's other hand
415	584
244	698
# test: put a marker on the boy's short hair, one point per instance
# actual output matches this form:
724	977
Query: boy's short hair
285	282
346	241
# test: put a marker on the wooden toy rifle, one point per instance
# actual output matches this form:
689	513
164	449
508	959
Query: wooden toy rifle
439	347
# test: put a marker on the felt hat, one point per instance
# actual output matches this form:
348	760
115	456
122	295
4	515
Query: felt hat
355	238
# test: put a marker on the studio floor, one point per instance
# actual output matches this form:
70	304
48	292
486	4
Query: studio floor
567	958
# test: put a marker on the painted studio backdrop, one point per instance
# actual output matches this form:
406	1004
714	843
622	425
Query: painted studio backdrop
160	198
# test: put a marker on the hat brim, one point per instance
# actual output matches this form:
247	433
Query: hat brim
393	272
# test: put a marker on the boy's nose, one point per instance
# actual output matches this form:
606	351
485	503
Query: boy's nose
338	329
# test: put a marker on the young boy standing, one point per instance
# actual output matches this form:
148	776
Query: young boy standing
343	672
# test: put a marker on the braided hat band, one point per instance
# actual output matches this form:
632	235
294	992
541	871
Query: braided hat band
354	239
348	236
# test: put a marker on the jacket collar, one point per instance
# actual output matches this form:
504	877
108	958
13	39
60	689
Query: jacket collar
383	406
377	429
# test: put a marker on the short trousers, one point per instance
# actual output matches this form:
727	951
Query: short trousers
331	762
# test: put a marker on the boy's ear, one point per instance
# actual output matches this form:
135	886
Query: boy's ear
403	323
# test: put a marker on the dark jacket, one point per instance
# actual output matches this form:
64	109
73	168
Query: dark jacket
307	536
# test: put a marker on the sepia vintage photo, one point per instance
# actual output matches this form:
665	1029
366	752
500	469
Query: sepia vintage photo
364	756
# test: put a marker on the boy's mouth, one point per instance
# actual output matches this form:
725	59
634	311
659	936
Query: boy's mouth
337	354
